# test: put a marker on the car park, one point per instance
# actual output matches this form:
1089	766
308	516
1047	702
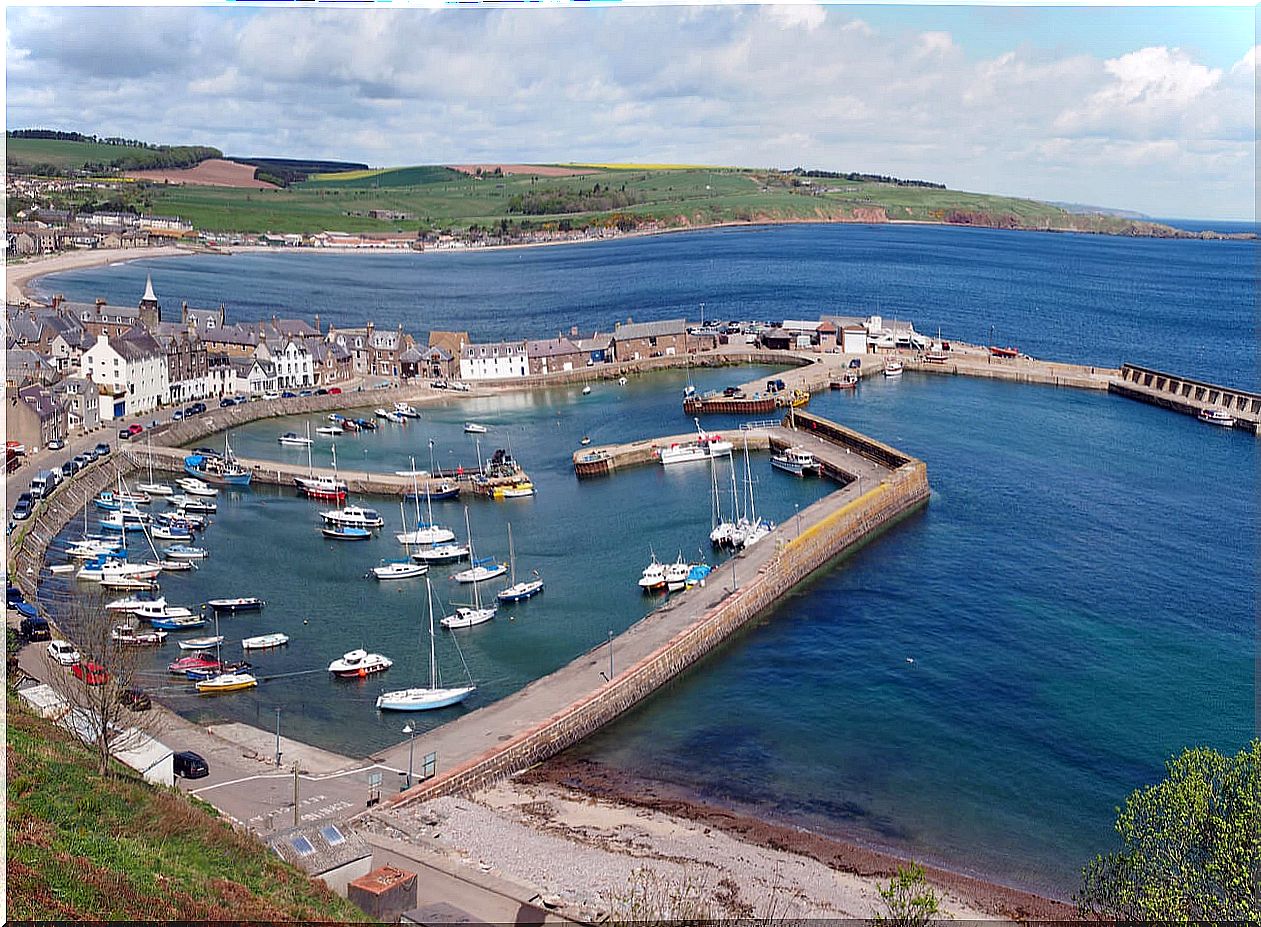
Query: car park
35	628
190	765
63	652
55	444
22	508
91	673
102	450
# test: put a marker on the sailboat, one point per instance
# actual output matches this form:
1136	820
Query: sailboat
225	682
435	695
750	529
321	487
465	616
518	591
399	569
152	488
722	530
425	532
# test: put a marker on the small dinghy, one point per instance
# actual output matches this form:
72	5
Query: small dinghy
179	623
226	682
201	643
359	663
243	604
265	641
345	533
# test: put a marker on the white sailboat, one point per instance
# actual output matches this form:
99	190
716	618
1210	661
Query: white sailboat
435	695
518	591
722	530
152	488
425	532
750	529
465	616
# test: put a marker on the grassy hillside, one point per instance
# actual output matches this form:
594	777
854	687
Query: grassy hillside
25	154
83	848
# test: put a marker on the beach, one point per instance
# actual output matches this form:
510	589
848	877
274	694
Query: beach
594	842
19	276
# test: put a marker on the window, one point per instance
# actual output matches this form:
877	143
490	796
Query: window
302	845
332	835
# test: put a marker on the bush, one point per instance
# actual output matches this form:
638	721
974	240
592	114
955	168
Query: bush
909	901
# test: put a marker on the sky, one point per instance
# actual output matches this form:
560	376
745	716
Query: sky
1149	109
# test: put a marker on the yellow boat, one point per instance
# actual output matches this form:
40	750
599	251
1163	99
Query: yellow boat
515	490
227	682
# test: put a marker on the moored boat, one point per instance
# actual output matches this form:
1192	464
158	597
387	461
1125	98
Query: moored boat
892	368
441	553
653	576
481	570
399	569
293	439
354	516
226	682
435	695
475	613
241	604
795	460
201	643
518	490
195	486
126	635
330	430
359	663
518	591
676	574
185	552
160	609
265	641
345	533
1217	416
217	470
178	623
472	428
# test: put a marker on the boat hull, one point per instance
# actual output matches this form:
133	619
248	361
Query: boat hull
422	699
468	617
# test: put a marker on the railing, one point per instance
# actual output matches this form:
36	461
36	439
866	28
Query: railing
754	426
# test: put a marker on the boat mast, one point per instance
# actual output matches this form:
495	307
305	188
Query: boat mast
433	658
748	479
512	555
428	497
415	495
472	555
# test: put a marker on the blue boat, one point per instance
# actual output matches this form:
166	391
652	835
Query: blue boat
177	624
216	470
696	575
346	533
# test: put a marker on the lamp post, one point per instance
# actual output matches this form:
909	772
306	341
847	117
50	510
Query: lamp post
277	738
610	654
411	747
797	512
989	355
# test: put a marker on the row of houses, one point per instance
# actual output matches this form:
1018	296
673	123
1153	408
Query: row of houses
44	231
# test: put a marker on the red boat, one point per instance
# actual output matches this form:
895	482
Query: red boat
1004	352
195	662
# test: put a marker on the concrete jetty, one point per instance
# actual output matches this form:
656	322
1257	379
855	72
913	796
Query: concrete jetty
1183	394
973	361
880	485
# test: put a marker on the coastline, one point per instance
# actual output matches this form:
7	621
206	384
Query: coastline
593	781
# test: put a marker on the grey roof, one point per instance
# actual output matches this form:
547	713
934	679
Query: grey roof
136	344
551	347
845	321
91	312
318	848
39	399
23	326
231	334
386	340
294	328
493	349
21	363
596	342
649	329
410	356
436	353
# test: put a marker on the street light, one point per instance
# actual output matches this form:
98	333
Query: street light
797	510
277	738
411	746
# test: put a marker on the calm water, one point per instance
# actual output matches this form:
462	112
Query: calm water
1185	306
1078	598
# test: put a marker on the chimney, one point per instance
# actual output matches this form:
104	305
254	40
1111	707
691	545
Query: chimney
99	302
58	300
317	323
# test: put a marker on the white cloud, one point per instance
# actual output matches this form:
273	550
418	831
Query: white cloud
809	16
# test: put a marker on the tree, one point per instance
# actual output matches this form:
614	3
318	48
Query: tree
909	901
98	708
1191	845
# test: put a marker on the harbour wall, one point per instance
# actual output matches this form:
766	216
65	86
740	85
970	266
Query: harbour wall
1190	397
836	526
1015	369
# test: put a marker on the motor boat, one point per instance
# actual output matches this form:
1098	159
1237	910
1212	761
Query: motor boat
185	552
265	641
705	447
441	553
293	439
330	430
198	662
472	428
405	410
359	663
653	577
322	487
111	501
893	368
178	623
676	574
125	520
131	603
226	682
1217	416
519	490
795	460
242	604
159	609
185	503
126	635
170	533
196	487
481	570
399	569
353	516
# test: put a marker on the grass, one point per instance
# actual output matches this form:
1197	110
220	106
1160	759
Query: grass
82	847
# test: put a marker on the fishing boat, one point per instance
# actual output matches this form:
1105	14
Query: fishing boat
185	504
399	569
159	609
795	460
466	616
472	428
516	591
194	486
242	604
405	410
1217	416
441	553
892	368
676	574
179	623
265	641
354	516
171	533
330	430
126	635
480	571
293	439
848	381
705	447
425	532
201	643
133	602
444	489
226	682
654	576
185	552
518	490
435	695
221	471
359	663
345	533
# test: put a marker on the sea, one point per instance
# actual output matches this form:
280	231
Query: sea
980	687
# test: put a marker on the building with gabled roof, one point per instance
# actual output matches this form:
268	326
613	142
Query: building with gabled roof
551	355
34	416
130	372
498	360
636	340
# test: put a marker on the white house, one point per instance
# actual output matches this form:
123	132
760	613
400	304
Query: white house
500	360
130	373
294	365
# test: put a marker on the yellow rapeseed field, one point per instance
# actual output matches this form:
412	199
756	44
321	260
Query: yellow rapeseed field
649	167
349	175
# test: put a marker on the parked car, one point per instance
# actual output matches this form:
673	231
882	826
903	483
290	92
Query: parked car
23	507
35	628
335	391
224	403
321	392
191	765
102	450
83	459
135	428
271	395
288	394
135	698
69	469
124	434
305	392
63	652
91	673
198	408
55	444
177	415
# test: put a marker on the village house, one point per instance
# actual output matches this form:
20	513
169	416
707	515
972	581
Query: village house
553	355
438	363
81	401
131	370
637	340
496	361
330	363
186	361
34	417
23	366
99	318
451	344
292	362
598	348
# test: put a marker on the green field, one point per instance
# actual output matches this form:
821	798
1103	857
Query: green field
85	848
30	153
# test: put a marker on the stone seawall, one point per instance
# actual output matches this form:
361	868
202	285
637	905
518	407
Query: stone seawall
836	533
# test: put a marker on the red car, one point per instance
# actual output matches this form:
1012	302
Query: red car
91	672
335	391
135	428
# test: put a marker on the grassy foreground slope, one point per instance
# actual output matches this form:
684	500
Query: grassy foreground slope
437	198
85	848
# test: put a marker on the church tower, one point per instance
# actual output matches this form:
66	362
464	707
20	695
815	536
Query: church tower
150	313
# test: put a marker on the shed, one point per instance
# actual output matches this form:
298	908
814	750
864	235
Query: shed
44	700
151	758
325	852
853	339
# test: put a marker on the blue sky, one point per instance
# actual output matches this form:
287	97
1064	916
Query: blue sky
1149	109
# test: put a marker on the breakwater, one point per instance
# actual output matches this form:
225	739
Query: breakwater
1188	396
976	362
561	709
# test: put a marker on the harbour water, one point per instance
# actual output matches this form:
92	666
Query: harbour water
1077	598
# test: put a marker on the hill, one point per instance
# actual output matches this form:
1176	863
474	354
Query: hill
85	848
28	152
